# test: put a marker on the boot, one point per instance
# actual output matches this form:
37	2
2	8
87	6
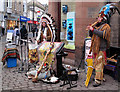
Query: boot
97	83
104	80
34	80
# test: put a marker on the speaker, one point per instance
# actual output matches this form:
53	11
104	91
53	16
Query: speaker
118	67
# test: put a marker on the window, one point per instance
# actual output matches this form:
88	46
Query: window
7	3
10	3
15	4
23	8
19	7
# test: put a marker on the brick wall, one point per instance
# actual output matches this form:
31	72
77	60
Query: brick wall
115	30
54	9
86	13
71	8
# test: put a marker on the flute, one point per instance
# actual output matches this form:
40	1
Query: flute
92	25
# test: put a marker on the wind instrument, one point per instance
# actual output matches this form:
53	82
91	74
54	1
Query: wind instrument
93	25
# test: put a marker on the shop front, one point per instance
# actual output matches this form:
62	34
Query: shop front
23	21
12	21
30	23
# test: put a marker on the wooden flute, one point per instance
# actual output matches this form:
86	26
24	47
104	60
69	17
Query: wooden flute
92	25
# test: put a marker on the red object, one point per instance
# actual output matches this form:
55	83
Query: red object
92	30
35	22
30	21
45	64
38	11
90	56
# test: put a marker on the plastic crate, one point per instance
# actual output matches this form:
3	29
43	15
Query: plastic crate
110	67
11	62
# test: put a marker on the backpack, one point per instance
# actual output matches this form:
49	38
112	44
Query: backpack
17	32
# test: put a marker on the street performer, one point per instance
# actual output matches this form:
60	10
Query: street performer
44	33
100	33
100	42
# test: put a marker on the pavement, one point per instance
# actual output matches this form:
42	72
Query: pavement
11	81
1	53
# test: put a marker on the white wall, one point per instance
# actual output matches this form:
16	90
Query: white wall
30	15
1	5
1	10
25	7
10	3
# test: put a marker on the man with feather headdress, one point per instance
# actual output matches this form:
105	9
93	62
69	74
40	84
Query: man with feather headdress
100	34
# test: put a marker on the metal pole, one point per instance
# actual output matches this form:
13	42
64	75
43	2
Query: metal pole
33	20
33	11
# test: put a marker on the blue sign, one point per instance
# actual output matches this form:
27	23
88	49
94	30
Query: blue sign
65	9
28	19
10	31
23	19
39	15
64	23
70	34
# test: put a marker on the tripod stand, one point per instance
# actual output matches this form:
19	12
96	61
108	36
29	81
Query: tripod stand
23	65
24	54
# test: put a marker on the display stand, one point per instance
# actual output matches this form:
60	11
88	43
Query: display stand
24	54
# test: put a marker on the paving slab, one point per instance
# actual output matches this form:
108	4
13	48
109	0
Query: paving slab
10	80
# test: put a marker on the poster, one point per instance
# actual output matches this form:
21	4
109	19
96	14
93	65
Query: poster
70	31
70	26
87	48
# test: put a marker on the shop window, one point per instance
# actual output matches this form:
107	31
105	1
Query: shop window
15	5
11	24
23	8
7	3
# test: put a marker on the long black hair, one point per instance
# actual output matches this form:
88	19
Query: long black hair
42	25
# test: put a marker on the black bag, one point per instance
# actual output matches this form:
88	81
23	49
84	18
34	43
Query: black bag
17	32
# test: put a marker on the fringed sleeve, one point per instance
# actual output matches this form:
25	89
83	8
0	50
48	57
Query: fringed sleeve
106	33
